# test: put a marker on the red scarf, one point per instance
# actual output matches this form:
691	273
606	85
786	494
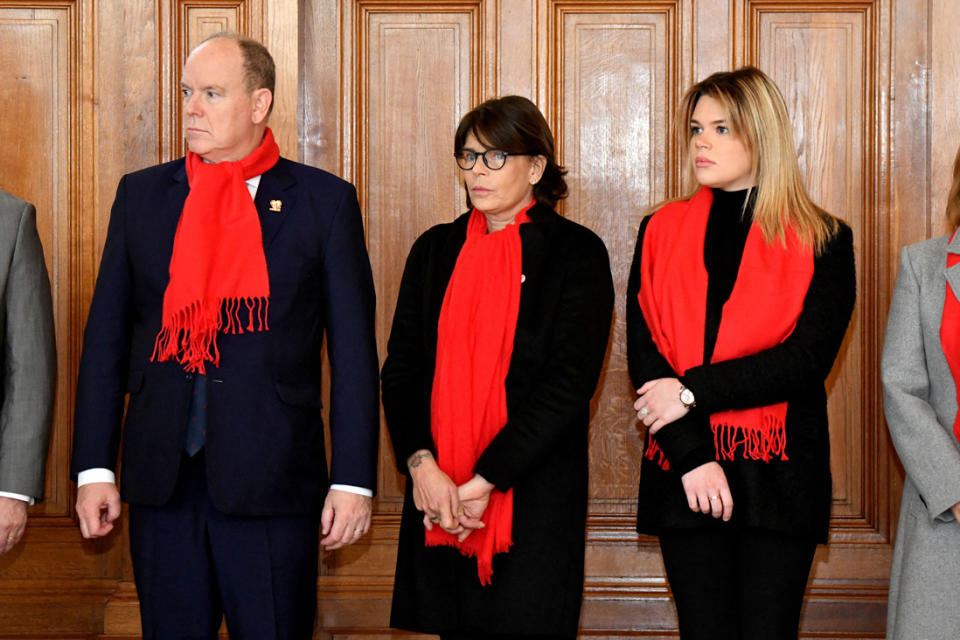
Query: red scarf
950	333
761	312
217	262
468	407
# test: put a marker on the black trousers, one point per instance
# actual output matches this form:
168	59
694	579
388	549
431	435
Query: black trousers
737	583
194	565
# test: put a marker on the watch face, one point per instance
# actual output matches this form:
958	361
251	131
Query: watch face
686	397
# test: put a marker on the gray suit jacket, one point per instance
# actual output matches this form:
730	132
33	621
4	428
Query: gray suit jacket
920	402
27	352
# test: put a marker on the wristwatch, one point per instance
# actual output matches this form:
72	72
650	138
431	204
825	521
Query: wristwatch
686	398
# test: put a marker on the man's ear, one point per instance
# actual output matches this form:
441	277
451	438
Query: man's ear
261	99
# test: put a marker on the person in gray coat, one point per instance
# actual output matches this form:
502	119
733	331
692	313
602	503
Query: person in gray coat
921	370
27	366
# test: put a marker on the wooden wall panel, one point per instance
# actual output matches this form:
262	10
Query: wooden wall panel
822	63
416	73
617	91
38	117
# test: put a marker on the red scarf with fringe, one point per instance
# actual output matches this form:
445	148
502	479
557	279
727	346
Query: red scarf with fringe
468	406
762	311
950	333
218	268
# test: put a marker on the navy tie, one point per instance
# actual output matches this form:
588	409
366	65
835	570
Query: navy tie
197	419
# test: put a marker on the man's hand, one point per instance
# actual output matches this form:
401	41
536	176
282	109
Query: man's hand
346	517
98	507
13	521
707	491
474	497
955	509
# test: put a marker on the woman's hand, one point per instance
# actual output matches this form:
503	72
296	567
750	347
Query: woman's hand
474	497
434	493
659	403
707	491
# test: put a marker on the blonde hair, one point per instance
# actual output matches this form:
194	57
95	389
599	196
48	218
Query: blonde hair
953	199
757	113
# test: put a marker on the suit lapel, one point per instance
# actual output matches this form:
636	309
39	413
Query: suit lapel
177	194
953	273
275	200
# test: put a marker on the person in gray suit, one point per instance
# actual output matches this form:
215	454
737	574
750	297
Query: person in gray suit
921	370
27	364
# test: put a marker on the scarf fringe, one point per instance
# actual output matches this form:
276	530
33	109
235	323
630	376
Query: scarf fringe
764	443
655	453
190	336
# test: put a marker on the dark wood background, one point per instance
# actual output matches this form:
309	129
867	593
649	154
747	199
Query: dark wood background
372	90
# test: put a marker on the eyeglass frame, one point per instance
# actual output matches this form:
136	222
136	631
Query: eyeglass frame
483	154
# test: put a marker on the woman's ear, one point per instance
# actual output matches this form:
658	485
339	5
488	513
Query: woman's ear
538	165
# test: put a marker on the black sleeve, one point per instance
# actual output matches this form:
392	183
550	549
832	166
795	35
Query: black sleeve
405	368
687	442
577	348
807	355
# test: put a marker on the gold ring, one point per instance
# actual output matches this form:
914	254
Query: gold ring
714	497
434	518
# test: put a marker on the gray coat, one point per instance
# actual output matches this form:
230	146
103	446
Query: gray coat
920	402
27	353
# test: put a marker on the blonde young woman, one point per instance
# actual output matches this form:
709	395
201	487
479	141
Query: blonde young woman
738	300
920	371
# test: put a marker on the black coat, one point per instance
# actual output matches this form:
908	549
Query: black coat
790	496
566	303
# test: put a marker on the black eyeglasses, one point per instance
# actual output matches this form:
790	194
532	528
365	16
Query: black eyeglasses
493	158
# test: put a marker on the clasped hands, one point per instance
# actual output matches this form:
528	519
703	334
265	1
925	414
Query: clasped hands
458	510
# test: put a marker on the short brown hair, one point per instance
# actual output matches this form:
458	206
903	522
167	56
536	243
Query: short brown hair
259	70
514	124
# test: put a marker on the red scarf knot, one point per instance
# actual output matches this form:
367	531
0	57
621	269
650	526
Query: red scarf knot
762	311
218	268
478	320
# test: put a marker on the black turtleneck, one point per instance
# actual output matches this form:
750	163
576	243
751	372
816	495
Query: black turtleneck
723	244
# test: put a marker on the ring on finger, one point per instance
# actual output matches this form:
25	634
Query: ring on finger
714	497
434	518
644	411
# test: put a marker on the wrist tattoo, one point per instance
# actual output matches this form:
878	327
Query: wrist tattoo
415	460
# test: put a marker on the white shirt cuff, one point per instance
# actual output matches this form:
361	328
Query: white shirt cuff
17	496
351	489
96	475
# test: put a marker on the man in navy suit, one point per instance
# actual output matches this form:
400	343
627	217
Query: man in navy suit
224	463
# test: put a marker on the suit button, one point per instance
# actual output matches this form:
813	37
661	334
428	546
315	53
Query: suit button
189	377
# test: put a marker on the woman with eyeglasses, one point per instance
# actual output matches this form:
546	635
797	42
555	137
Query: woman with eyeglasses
738	300
499	335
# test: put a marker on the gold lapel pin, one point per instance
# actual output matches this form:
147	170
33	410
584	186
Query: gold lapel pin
275	205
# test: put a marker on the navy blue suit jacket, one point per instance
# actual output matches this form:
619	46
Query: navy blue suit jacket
265	438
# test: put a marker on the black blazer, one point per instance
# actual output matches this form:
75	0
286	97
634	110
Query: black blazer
790	496
265	438
566	303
